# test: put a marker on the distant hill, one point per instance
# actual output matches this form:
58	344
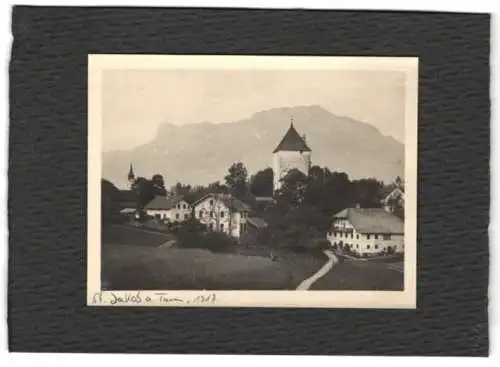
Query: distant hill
201	153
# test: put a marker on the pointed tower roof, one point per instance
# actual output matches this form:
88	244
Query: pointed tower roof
131	172
292	141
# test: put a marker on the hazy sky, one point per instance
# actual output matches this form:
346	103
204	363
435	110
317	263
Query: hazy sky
136	102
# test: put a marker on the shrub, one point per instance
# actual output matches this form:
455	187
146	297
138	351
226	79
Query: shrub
322	244
218	242
192	234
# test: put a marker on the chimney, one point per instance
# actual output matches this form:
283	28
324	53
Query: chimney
304	137
358	206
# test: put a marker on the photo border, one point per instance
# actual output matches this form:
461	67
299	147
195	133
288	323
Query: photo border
98	64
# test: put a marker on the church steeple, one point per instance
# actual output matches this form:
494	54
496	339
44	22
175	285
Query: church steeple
292	153
131	176
292	141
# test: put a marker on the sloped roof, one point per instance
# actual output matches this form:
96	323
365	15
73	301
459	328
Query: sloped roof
257	222
127	211
163	202
230	201
265	199
372	220
292	141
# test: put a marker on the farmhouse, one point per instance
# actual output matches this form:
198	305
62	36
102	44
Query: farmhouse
367	231
222	213
169	208
394	197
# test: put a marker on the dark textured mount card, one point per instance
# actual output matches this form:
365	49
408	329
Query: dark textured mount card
48	166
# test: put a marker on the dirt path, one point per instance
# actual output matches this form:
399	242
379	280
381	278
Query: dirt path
307	283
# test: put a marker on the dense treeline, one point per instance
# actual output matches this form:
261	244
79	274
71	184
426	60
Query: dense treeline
303	206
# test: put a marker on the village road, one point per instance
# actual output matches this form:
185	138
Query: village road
307	283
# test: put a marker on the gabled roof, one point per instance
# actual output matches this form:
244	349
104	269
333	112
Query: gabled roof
163	202
372	220
292	142
257	222
229	201
264	199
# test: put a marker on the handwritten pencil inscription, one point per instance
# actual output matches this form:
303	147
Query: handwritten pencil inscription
156	298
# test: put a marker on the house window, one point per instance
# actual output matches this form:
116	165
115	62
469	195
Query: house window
376	236
222	226
211	214
177	216
367	236
201	213
211	202
368	247
386	237
352	236
357	236
357	246
184	206
186	216
376	247
222	214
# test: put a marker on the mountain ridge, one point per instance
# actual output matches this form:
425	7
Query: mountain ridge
201	153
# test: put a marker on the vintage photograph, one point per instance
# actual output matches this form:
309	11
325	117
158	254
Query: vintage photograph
243	180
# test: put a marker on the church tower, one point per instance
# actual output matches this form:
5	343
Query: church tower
131	176
291	153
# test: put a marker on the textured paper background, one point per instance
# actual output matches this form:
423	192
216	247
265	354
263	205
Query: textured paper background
47	182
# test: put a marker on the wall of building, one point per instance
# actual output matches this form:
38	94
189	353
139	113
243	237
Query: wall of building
284	161
368	244
214	214
179	213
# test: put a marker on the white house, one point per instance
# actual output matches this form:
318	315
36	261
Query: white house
223	213
396	198
169	208
367	231
291	153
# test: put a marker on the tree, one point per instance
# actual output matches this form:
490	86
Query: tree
144	191
293	189
217	188
158	185
180	189
236	179
261	183
367	192
109	201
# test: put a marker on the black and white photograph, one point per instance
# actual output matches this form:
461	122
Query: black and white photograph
212	174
